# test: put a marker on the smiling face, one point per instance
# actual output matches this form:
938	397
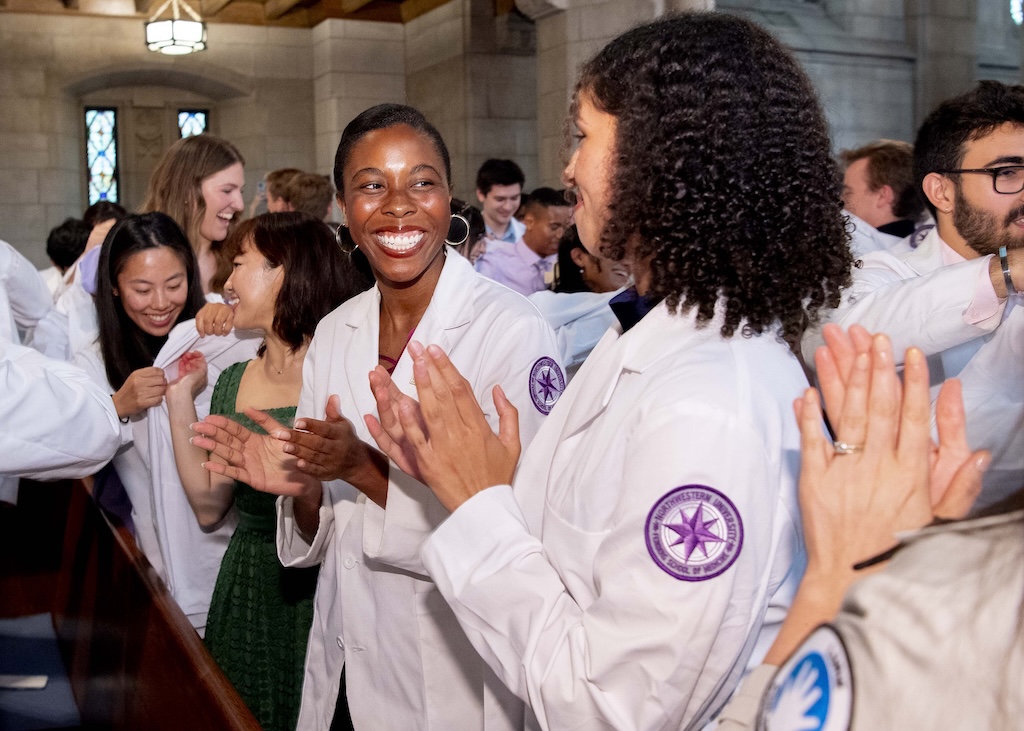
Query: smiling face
589	171
153	288
397	205
499	204
253	288
545	227
222	196
984	218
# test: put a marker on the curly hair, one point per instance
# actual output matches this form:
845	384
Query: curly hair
723	179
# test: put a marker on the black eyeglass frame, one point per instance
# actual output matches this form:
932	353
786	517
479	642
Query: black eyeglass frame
994	172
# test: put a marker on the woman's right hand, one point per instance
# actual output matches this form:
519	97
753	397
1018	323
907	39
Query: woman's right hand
192	375
259	460
142	389
216	318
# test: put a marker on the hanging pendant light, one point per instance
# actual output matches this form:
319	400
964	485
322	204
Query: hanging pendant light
173	35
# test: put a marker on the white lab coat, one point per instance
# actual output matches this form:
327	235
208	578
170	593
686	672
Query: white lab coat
865	238
24	297
918	301
191	555
555	581
579	320
55	422
186	557
72	323
408	666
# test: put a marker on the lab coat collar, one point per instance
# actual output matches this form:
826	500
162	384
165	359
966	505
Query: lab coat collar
658	335
927	257
450	310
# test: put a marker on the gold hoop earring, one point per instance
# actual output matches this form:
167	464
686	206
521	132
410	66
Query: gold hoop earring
347	247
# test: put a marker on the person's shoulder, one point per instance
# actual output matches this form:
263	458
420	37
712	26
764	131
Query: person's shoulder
491	295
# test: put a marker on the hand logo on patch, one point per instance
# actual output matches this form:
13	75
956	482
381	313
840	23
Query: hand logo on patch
802	701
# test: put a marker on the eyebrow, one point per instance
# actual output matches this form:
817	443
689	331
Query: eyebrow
1009	159
179	275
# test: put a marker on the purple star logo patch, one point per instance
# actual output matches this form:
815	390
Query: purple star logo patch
546	384
694	533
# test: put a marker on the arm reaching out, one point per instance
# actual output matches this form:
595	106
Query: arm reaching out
210	495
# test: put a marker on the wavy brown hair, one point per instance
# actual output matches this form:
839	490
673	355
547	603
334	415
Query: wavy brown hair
723	177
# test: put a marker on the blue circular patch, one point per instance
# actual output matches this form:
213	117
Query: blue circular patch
694	533
546	384
813	690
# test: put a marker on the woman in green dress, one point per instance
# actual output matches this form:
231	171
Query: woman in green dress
288	272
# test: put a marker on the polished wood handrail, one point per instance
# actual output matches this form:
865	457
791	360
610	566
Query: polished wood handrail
133	658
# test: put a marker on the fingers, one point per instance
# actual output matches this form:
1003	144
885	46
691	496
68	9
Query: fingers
916	414
508	421
883	398
229	471
215	318
457	386
814	448
333	410
964	488
267	422
950	419
852	425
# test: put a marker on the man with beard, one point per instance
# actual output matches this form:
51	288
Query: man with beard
956	295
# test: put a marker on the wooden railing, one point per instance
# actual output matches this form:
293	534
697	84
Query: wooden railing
133	658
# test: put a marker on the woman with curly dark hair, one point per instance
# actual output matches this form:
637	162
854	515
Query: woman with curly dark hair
649	543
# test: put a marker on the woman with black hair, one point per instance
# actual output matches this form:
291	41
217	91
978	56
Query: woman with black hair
646	547
406	663
287	274
147	282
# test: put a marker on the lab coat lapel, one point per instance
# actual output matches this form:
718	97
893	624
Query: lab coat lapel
927	257
360	358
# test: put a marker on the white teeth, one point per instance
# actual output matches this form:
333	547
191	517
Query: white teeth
400	242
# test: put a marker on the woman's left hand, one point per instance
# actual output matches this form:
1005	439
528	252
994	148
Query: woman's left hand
215	318
447	434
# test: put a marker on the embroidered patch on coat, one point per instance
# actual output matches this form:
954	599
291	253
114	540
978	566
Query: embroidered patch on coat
813	690
694	533
546	384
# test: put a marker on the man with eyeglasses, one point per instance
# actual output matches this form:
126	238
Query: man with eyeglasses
956	295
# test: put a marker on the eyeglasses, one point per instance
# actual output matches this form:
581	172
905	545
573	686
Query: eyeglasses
1008	179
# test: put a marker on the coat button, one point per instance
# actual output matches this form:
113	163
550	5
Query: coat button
341	643
349	562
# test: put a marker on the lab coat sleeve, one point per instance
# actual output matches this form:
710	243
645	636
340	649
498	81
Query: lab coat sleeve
293	548
55	422
395	536
647	646
925	311
30	299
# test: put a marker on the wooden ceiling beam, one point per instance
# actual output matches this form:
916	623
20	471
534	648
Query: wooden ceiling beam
274	9
351	6
209	8
412	9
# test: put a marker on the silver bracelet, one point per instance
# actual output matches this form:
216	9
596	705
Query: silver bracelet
1010	289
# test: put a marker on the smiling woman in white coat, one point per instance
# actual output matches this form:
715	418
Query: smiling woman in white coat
407	663
647	546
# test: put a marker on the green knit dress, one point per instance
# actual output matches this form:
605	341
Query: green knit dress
261	612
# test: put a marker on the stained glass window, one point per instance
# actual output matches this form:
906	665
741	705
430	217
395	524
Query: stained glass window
101	154
1017	11
192	121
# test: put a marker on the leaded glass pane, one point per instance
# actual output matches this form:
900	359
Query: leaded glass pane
192	122
101	154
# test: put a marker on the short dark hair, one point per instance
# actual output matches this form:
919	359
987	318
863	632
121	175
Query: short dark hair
384	116
124	346
101	211
568	277
66	242
317	275
943	136
498	172
890	162
545	198
723	175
